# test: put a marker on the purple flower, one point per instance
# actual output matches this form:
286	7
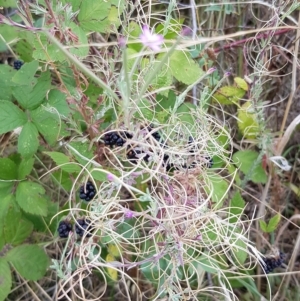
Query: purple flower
110	177
148	39
211	70
129	214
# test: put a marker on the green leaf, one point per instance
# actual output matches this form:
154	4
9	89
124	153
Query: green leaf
245	160
25	168
99	175
29	260
93	15
30	199
57	100
219	188
6	74
31	97
239	249
16	228
183	68
25	76
263	226
47	123
28	141
45	51
63	162
273	223
11	117
236	207
241	83
228	95
8	169
247	121
81	51
5	279
84	149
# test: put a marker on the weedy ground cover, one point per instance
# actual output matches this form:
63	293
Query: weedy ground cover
141	158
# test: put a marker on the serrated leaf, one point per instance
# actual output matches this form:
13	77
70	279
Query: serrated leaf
239	249
241	83
11	117
47	123
30	198
57	100
25	168
229	95
273	223
237	205
93	15
5	279
6	74
45	51
245	160
16	228
63	162
111	272
183	68
25	76
28	141
83	149
30	261
219	187
82	40
31	97
247	121
263	226
8	169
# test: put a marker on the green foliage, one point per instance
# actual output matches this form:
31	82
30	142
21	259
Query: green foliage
272	225
247	162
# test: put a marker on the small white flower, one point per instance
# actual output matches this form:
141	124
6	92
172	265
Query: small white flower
148	39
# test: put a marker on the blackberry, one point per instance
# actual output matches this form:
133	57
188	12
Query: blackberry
116	139
64	228
132	155
87	192
82	226
272	263
18	64
210	162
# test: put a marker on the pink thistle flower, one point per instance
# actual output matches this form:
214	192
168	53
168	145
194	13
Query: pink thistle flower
148	39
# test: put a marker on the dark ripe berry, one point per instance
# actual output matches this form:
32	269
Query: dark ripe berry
83	227
132	155
64	228
209	162
87	192
273	263
116	139
18	64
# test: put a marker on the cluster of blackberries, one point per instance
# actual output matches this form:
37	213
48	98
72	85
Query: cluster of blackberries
116	139
87	192
64	228
272	263
82	226
18	64
133	153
